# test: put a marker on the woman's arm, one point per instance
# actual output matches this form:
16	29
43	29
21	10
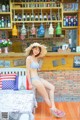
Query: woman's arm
28	67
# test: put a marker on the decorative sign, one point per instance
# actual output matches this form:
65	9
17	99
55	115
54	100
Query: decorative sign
19	62
7	64
59	62
76	63
1	63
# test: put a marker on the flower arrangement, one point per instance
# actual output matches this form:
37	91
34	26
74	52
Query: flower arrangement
5	43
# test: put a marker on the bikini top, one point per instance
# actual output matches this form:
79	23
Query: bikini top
34	65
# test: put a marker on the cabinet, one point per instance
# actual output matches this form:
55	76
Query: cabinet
42	12
5	15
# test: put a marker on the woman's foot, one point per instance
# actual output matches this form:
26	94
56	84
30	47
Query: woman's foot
57	113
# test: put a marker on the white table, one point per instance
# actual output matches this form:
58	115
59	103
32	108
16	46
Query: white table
17	103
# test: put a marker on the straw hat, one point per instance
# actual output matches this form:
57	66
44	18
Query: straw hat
43	49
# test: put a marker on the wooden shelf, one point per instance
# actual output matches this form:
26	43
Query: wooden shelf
72	12
70	27
3	13
5	28
48	21
34	8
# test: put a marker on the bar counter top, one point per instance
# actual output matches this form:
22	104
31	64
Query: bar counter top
48	54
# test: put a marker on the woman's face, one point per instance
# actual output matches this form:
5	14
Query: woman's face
36	50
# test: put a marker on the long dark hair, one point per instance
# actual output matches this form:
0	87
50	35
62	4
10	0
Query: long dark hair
31	51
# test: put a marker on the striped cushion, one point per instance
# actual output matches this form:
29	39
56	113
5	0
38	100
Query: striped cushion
7	81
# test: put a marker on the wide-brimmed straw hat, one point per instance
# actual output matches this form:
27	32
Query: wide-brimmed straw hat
43	49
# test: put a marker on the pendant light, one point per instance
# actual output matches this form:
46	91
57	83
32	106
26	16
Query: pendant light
51	29
14	29
23	29
58	28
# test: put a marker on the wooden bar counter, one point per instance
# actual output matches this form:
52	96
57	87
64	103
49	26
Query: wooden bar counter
52	61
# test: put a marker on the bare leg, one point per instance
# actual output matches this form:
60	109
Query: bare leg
51	92
42	91
53	109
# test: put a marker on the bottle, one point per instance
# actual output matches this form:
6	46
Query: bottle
45	16
15	17
49	17
40	16
24	17
3	7
5	22
7	8
69	21
2	23
76	21
28	17
8	22
64	21
72	21
58	30
51	30
19	17
36	17
32	17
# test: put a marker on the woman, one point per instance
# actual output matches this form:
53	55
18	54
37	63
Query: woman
34	52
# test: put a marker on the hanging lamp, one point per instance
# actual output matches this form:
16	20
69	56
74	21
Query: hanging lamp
23	29
14	30
33	30
58	28
51	29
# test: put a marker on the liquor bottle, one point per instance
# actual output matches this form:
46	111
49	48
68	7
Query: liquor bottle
15	17
32	17
28	17
24	17
58	30
8	22
69	21
40	16
64	21
74	21
2	23
19	17
7	8
0	7
49	17
72	24
53	17
5	22
36	17
3	7
45	16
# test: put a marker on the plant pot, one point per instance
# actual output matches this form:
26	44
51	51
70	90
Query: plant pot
5	49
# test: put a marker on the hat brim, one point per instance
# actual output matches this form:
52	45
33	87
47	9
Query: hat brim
43	49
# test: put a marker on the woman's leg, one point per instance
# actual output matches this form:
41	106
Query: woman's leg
51	92
54	110
42	91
